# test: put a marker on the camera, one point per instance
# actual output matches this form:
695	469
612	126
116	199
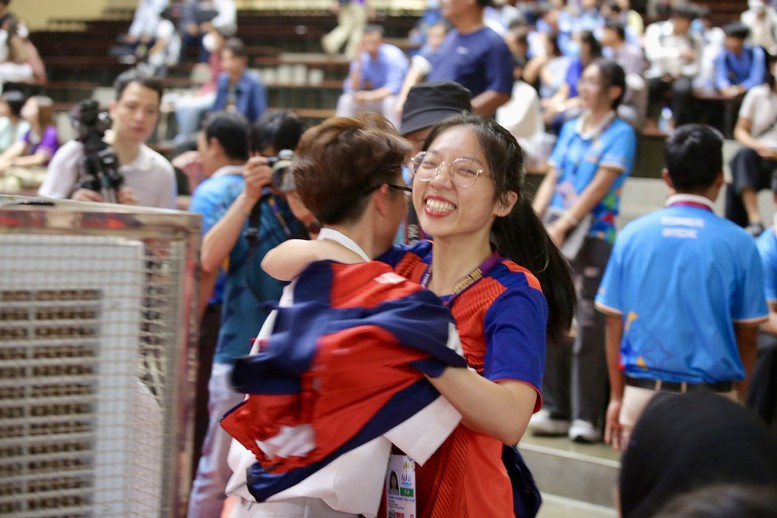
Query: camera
98	168
281	177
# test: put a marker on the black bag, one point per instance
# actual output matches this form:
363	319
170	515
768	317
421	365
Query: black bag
526	495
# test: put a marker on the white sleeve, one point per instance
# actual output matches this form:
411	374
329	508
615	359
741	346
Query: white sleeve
62	172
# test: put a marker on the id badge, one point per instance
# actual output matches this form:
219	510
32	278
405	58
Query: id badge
400	487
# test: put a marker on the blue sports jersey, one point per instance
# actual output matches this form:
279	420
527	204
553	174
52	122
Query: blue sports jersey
680	277
479	61
206	200
249	293
577	159
767	247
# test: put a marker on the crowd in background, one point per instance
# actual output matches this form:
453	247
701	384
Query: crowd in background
574	84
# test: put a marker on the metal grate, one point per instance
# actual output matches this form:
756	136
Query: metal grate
94	360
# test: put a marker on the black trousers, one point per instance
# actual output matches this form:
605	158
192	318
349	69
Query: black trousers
748	170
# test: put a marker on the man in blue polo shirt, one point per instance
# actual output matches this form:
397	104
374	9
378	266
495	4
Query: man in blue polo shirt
683	292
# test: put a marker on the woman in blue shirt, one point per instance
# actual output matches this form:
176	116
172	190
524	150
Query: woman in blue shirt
593	156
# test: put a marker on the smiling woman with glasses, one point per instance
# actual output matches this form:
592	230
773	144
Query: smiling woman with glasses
510	292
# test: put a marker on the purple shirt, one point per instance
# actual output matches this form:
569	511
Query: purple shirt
48	142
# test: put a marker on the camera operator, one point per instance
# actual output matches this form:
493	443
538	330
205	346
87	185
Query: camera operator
244	216
148	178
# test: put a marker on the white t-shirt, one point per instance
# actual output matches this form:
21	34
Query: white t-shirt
760	107
150	176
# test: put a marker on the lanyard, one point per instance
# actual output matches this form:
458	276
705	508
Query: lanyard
465	282
341	239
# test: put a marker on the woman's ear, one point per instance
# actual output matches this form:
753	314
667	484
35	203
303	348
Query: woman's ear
505	204
380	199
615	92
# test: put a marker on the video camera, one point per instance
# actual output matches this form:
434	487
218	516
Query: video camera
98	168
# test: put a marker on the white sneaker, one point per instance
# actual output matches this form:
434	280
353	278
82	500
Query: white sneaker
542	424
583	431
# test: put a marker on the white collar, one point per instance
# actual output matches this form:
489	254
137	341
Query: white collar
677	198
596	130
228	170
341	239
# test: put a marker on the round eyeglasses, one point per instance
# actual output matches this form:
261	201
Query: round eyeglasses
463	172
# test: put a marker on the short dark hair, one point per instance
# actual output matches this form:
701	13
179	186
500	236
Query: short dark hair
617	26
340	161
231	131
279	129
736	30
235	46
143	79
15	101
694	157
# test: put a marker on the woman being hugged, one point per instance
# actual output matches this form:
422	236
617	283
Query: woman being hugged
510	292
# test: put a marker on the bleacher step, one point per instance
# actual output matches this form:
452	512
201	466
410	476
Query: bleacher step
585	473
559	507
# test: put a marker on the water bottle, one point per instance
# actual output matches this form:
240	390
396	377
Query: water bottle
665	122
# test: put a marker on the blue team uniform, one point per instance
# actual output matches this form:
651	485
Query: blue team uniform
680	277
767	247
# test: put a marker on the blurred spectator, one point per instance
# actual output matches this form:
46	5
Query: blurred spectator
374	78
761	19
762	393
631	18
712	39
420	63
352	18
199	17
573	20
167	45
579	200
239	89
754	164
703	439
190	109
565	104
13	127
615	47
27	157
501	14
696	332
431	16
548	68
474	56
148	177
674	53
144	22
740	66
15	66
